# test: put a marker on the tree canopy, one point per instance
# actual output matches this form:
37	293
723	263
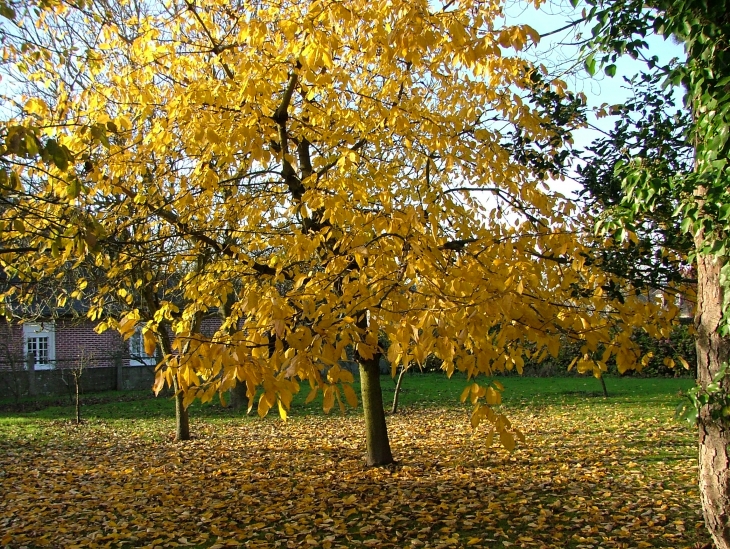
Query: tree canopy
700	197
346	170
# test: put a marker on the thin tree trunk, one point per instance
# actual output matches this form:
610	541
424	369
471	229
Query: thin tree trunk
713	351
603	385
182	420
378	445
396	394
78	399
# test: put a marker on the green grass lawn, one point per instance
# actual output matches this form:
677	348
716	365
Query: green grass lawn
418	390
593	472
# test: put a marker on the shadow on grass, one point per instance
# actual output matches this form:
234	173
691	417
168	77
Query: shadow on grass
575	483
586	394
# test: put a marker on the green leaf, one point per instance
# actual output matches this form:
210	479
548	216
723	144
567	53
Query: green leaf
687	412
74	189
610	70
718	247
725	212
31	145
98	132
590	65
57	154
686	225
720	375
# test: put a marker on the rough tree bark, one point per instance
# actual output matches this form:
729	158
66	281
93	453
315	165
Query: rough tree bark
713	351
378	444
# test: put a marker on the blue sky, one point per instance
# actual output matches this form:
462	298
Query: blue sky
559	54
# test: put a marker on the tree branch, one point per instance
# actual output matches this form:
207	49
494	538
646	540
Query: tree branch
327	167
17	250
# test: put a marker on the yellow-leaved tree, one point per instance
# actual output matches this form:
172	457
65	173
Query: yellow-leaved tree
324	173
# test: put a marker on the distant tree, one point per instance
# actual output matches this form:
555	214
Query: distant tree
77	369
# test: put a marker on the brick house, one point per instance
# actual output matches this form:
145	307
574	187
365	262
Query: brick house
60	343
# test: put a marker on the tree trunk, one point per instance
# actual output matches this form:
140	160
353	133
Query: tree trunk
396	394
78	399
378	445
182	420
603	385
714	436
239	398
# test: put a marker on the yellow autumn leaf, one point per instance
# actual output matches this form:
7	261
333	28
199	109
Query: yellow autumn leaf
150	342
507	440
282	410
264	405
329	399
350	395
312	394
36	106
465	393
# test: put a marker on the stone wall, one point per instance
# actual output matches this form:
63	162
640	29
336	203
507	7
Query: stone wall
61	381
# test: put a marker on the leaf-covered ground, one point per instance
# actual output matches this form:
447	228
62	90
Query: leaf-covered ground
594	473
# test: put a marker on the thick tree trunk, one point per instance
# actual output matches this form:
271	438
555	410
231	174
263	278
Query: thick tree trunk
396	393
378	445
714	436
239	398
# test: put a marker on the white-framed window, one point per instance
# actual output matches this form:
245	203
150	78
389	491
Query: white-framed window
137	354
39	340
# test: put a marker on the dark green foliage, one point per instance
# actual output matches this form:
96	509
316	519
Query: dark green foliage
702	193
652	131
561	114
679	344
